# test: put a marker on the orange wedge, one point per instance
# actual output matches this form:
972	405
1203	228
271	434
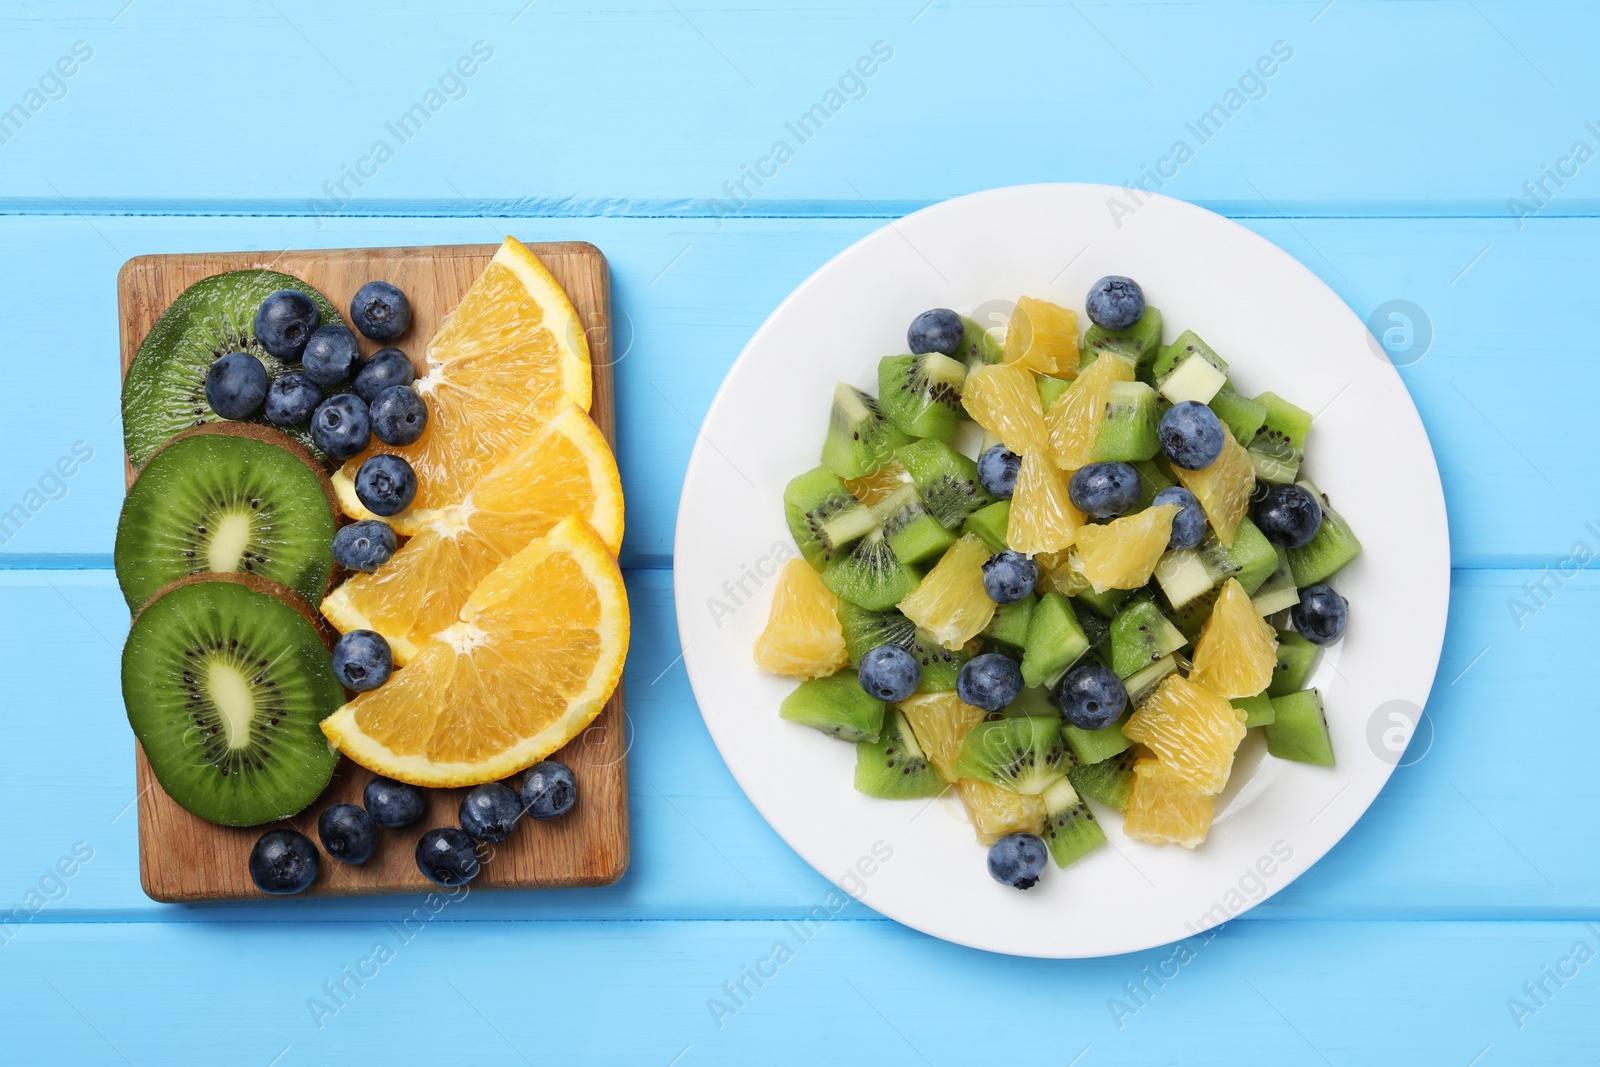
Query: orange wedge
508	358
535	654
803	638
1223	488
564	468
1164	809
1237	649
1073	422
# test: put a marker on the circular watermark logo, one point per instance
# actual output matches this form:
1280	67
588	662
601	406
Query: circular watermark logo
619	333
596	738
1400	332
1392	732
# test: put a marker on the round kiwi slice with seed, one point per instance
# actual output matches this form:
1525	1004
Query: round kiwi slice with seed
164	392
227	497
226	678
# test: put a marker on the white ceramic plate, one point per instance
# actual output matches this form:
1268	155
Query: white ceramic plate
1281	329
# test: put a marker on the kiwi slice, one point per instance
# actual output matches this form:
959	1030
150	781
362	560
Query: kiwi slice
1299	729
1024	754
978	346
1128	434
922	394
1139	344
836	705
1326	554
1070	828
225	678
894	767
865	630
911	530
823	517
1141	635
1297	658
1242	416
165	389
947	480
1055	641
860	438
870	574
1110	781
227	497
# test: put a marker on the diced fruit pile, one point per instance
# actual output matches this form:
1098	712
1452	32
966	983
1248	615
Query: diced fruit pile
483	616
1130	575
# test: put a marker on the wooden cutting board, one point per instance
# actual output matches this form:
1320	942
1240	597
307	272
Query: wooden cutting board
183	858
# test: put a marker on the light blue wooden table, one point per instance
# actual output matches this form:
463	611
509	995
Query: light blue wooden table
1439	153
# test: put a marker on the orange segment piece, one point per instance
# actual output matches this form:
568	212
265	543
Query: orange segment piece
1042	516
536	653
1075	419
950	602
565	468
1223	488
1191	730
1002	398
1237	650
940	721
1042	336
1163	809
803	638
1123	553
996	812
508	358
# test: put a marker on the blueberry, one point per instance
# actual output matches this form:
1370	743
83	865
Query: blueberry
1009	576
386	485
489	812
889	673
285	321
939	330
1289	516
380	311
330	355
447	856
391	803
385	367
398	415
284	861
340	426
1017	860
347	832
1114	302
363	546
1092	697
236	385
362	661
997	471
1191	435
548	789
291	400
1321	614
1188	525
990	681
1104	490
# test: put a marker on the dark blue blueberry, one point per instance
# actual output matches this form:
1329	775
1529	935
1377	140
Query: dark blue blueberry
1188	525
391	803
1289	516
331	355
997	471
386	485
362	660
939	330
1321	615
291	400
1009	576
285	321
363	546
1104	490
490	812
347	832
284	861
1191	435
548	789
340	426
236	385
990	681
1092	697
1115	302
1017	860
447	856
889	673
382	369
399	415
380	311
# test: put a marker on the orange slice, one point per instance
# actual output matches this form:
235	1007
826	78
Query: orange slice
1191	730
1042	516
1123	553
1043	336
950	602
1074	420
1223	488
1237	649
1163	809
536	653
1002	398
803	638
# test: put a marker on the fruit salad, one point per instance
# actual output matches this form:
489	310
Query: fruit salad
1050	571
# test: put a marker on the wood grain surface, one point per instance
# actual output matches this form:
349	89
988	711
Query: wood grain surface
183	858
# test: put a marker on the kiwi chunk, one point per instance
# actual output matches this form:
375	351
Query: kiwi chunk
1129	431
1055	641
1141	635
1010	622
922	394
823	517
860	439
836	705
1070	828
990	524
223	498
1110	781
1141	684
947	480
870	574
1188	344
226	678
164	392
1258	710
1092	746
1185	574
1050	389
865	630
1024	754
978	346
910	528
1297	658
1278	591
1242	416
894	766
1139	344
1299	729
1326	554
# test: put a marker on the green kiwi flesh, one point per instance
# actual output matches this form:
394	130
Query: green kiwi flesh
860	438
1128	434
911	530
1010	622
823	517
1055	641
1242	416
947	480
226	498
164	392
978	346
1070	828
1299	729
1141	635
870	575
1258	710
226	679
836	705
990	524
922	394
1139	344
1297	658
1092	746
1327	553
894	766
1110	781
865	630
1024	754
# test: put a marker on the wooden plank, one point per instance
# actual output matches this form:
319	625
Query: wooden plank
183	858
